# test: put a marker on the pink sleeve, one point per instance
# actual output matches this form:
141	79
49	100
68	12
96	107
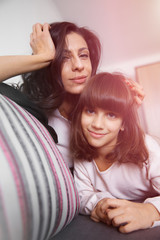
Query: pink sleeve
89	196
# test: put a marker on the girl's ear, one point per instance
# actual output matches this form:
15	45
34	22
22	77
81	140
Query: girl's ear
122	128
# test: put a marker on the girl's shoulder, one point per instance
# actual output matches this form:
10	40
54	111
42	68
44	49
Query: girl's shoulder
152	143
83	164
153	147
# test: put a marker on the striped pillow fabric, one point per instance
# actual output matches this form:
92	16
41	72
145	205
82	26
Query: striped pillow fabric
37	193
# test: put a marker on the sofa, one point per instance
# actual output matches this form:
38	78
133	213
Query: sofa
38	198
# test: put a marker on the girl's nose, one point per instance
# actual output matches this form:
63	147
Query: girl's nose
97	122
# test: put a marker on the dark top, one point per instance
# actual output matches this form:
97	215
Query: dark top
21	99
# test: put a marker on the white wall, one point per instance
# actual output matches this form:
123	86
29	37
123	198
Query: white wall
128	68
16	20
18	16
129	30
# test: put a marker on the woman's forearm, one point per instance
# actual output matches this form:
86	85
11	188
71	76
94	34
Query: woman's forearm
11	66
43	53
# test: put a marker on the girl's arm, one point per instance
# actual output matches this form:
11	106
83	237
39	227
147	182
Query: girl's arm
43	53
130	216
89	196
153	170
126	215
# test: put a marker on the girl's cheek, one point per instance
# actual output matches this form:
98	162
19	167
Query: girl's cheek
114	126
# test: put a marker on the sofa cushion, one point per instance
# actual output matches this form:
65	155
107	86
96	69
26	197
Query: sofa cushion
37	193
82	227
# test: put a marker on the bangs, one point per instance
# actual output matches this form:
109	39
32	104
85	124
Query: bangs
108	92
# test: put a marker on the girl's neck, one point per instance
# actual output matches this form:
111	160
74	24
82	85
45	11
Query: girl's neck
103	164
101	161
68	105
105	150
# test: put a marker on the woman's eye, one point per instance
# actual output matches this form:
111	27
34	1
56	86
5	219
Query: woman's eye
66	58
84	55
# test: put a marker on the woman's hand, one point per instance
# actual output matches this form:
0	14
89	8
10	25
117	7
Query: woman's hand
126	215
43	53
41	42
137	89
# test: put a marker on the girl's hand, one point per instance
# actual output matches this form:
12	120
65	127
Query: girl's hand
137	89
98	214
41	42
129	216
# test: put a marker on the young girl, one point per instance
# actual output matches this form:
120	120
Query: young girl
117	171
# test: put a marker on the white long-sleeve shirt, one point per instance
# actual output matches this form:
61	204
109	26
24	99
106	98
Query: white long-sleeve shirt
122	181
62	127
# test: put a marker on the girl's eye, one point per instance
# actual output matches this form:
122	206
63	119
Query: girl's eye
111	115
89	111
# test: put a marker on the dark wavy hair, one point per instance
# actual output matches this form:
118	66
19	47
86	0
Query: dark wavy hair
110	92
44	87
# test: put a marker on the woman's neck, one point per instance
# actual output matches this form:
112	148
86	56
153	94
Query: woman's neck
68	105
64	109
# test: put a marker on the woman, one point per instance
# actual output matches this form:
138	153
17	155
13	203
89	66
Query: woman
64	57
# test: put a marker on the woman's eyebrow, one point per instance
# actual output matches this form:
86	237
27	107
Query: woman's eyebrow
84	48
80	50
66	51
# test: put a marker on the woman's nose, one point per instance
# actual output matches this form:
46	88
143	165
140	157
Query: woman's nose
77	64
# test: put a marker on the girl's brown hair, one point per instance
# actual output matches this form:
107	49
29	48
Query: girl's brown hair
110	92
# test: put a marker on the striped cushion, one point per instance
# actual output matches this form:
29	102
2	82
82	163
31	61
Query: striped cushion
37	194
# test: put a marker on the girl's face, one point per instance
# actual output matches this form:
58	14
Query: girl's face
101	128
76	67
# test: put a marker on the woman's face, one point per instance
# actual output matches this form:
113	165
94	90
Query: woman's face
76	67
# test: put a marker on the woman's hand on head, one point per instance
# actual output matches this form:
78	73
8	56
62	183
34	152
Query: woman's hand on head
129	216
137	89
41	42
43	53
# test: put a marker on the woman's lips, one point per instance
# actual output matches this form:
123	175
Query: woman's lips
80	79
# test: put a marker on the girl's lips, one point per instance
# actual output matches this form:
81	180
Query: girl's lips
96	135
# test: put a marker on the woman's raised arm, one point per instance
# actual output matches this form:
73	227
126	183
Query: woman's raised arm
43	53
